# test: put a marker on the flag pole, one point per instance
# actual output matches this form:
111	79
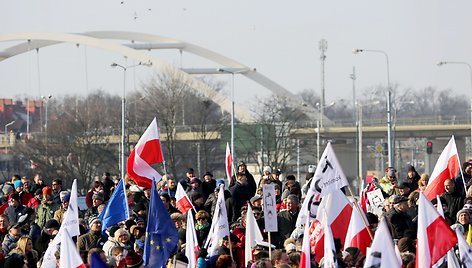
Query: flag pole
361	212
230	246
462	174
270	246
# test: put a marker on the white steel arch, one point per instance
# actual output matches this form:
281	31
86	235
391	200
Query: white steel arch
141	41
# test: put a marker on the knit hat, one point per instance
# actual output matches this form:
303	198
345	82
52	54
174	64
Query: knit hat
268	169
47	190
99	196
112	229
462	211
17	184
138	207
196	195
52	223
92	220
218	182
353	251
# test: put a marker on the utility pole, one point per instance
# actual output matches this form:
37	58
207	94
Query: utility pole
323	46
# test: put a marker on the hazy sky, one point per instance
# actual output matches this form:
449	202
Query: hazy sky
279	38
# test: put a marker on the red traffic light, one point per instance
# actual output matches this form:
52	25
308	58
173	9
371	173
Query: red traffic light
429	147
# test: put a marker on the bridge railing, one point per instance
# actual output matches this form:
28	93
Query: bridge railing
383	121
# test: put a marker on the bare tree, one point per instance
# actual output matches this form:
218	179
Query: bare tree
77	144
277	119
164	95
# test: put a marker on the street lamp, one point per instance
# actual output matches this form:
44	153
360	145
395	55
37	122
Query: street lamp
7	137
232	72
46	100
123	113
389	104
441	63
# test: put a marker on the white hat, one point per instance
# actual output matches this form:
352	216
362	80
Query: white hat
267	168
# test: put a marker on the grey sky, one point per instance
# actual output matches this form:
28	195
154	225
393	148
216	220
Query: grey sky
279	38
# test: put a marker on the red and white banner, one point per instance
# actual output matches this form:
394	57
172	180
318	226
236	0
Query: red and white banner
305	256
330	259
228	163
338	211
70	257
146	152
183	202
191	244
447	167
358	234
382	253
435	237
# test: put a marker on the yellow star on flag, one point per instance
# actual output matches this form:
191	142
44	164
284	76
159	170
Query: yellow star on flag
152	242
158	247
168	240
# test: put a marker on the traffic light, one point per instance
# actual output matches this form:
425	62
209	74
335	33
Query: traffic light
429	147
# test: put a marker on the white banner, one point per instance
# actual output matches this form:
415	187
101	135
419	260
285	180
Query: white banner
329	175
376	202
270	212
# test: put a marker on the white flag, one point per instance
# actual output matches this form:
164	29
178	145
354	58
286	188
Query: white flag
70	257
465	251
329	175
309	208
219	225
70	223
382	252
270	212
191	242
253	235
330	260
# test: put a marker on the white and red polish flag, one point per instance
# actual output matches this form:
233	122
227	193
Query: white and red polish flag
358	233
228	162
70	257
146	152
447	167
191	244
182	203
305	256
435	237
382	253
338	211
253	235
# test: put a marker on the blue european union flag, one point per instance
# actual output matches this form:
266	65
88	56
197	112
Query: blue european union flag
116	209
96	261
161	235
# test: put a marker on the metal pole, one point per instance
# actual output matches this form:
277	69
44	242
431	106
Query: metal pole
298	160
123	111
27	118
232	118
360	174
323	46
317	140
390	142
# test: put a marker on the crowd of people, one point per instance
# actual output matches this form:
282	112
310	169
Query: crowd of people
33	213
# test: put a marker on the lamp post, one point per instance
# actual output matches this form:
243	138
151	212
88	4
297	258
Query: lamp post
232	72
441	63
8	136
123	114
390	141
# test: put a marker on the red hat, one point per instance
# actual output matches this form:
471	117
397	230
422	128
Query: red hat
133	260
47	190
